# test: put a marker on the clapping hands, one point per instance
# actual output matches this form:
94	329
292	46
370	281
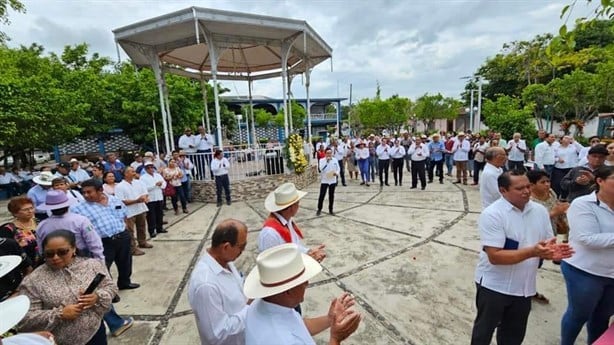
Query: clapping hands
550	250
343	320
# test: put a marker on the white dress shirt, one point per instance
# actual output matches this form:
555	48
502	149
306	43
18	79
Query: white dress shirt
544	154
479	150
489	188
154	191
204	142
516	150
500	223
329	170
339	152
591	235
397	152
461	150
132	191
418	153
79	175
220	307
362	153
220	166
269	237
271	324
185	142
568	154
383	152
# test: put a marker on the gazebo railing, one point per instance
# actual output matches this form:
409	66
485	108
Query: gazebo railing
244	163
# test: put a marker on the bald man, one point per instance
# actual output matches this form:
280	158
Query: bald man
215	290
496	157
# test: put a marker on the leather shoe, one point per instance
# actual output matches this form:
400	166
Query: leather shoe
137	252
129	286
116	299
165	222
162	231
145	245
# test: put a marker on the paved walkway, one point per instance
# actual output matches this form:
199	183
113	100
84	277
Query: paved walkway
408	256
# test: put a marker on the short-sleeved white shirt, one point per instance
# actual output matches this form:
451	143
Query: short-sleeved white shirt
489	188
270	324
515	154
132	191
501	222
591	235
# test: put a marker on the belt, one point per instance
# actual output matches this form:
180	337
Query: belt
114	237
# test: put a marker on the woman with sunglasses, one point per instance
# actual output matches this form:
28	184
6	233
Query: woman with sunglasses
56	291
22	228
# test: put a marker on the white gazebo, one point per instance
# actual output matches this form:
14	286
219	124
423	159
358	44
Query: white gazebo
209	44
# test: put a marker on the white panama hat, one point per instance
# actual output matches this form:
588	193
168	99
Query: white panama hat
282	197
279	269
13	309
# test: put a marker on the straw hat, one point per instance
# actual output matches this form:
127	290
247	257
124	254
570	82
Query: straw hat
44	179
282	197
279	269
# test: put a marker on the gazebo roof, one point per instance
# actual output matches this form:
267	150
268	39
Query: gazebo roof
249	45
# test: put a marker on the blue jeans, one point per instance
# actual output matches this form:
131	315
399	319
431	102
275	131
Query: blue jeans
113	321
363	165
449	162
590	300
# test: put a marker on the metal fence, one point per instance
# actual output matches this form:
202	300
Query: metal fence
245	163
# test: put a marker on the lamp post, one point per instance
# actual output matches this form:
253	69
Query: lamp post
239	118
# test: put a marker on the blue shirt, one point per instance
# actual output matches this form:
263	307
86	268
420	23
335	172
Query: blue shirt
436	150
117	169
108	220
79	225
38	195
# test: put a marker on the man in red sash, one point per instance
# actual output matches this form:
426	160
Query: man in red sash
279	227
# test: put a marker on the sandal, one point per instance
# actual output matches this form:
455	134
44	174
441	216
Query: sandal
541	298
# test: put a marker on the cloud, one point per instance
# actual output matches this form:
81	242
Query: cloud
409	47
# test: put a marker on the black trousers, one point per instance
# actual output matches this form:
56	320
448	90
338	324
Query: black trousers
507	314
516	165
155	214
117	250
222	182
418	170
203	162
382	168
342	171
555	181
397	170
477	167
100	337
331	196
437	166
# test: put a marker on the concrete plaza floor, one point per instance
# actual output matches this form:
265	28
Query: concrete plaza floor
408	256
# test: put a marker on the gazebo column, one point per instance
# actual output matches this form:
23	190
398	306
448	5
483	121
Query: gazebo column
290	121
168	112
205	118
154	61
255	141
307	81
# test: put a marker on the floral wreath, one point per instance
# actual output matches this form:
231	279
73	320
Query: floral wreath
296	154
565	125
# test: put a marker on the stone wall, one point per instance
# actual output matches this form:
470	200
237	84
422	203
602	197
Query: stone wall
257	187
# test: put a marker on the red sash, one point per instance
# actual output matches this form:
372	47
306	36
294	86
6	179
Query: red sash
273	222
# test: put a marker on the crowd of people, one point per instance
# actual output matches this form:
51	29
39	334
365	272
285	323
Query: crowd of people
547	200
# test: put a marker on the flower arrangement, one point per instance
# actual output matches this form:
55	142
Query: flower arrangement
566	126
295	154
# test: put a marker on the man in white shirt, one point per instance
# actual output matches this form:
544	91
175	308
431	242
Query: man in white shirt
418	152
77	173
460	150
155	184
279	227
544	154
516	149
397	153
383	161
215	290
187	141
204	145
339	152
219	168
329	171
489	189
515	233
134	195
278	284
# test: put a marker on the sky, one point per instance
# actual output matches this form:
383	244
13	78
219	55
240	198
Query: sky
409	47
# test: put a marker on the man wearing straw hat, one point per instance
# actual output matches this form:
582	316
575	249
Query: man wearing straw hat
279	227
277	284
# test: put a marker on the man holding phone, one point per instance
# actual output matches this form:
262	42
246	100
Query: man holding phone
580	181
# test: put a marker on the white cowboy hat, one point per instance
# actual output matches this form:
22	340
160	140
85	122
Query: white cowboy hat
279	269
460	134
7	264
282	197
44	179
12	311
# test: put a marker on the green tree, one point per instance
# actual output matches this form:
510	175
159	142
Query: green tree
429	108
506	115
16	6
298	116
576	95
262	118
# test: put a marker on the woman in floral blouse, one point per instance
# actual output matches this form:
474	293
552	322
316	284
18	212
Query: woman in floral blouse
172	174
56	294
22	228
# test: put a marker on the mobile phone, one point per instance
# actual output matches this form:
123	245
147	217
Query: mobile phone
94	284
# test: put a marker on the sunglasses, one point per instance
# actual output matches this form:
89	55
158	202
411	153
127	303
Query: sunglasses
60	252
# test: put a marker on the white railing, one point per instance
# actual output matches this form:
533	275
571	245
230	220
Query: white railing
324	116
244	163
